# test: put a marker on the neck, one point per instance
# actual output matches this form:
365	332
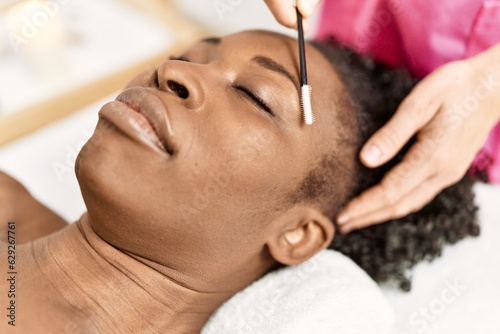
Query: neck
115	291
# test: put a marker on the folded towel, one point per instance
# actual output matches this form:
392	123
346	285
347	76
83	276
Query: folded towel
327	294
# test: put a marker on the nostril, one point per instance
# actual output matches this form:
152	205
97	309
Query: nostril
179	89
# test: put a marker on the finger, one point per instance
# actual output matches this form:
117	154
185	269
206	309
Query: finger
307	7
413	202
415	168
283	11
414	112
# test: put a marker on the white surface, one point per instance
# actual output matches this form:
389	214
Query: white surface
460	291
230	16
327	294
80	41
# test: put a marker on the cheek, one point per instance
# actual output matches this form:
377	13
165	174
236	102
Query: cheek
228	173
254	148
251	168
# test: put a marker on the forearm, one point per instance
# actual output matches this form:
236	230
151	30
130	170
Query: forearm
487	64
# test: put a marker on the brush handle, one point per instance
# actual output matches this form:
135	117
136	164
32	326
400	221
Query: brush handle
302	53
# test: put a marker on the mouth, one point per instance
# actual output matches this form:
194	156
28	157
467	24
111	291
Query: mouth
146	117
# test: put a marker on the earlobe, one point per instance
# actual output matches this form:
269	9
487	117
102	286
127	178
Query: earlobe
304	231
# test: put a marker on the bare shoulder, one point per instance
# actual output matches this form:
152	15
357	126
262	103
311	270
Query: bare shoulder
33	220
7	181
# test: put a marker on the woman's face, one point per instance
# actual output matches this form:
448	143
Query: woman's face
228	113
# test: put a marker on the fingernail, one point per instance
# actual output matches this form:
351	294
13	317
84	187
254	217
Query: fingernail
345	229
306	8
342	219
372	154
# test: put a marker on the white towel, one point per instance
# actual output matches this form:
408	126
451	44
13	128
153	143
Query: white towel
458	292
327	294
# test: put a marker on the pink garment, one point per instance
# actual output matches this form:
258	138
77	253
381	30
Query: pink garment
420	35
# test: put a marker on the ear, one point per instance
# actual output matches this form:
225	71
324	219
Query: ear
302	232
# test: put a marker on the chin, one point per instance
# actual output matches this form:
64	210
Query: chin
110	171
101	167
103	191
95	157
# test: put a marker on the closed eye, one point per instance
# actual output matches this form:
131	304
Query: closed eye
180	58
255	99
248	92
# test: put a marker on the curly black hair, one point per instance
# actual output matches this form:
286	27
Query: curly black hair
387	251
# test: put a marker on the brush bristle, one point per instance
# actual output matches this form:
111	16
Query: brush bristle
305	101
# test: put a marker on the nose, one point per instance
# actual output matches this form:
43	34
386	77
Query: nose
181	79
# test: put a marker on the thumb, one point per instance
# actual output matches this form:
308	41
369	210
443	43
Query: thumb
410	117
307	7
283	11
382	146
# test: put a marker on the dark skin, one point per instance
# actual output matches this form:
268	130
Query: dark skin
176	225
32	218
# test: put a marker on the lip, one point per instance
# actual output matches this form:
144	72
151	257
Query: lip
142	115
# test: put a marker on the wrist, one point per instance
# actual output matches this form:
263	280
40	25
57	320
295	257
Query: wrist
486	66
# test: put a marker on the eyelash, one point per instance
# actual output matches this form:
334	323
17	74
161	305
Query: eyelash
256	99
180	58
248	92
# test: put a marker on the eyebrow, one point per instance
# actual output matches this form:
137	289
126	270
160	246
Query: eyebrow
270	64
211	40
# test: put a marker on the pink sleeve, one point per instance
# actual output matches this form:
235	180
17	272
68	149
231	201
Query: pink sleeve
488	159
420	35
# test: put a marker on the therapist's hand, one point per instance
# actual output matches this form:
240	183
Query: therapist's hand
284	11
451	112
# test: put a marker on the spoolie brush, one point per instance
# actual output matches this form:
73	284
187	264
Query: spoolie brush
305	91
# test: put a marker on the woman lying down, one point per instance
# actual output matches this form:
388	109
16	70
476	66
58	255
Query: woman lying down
202	177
